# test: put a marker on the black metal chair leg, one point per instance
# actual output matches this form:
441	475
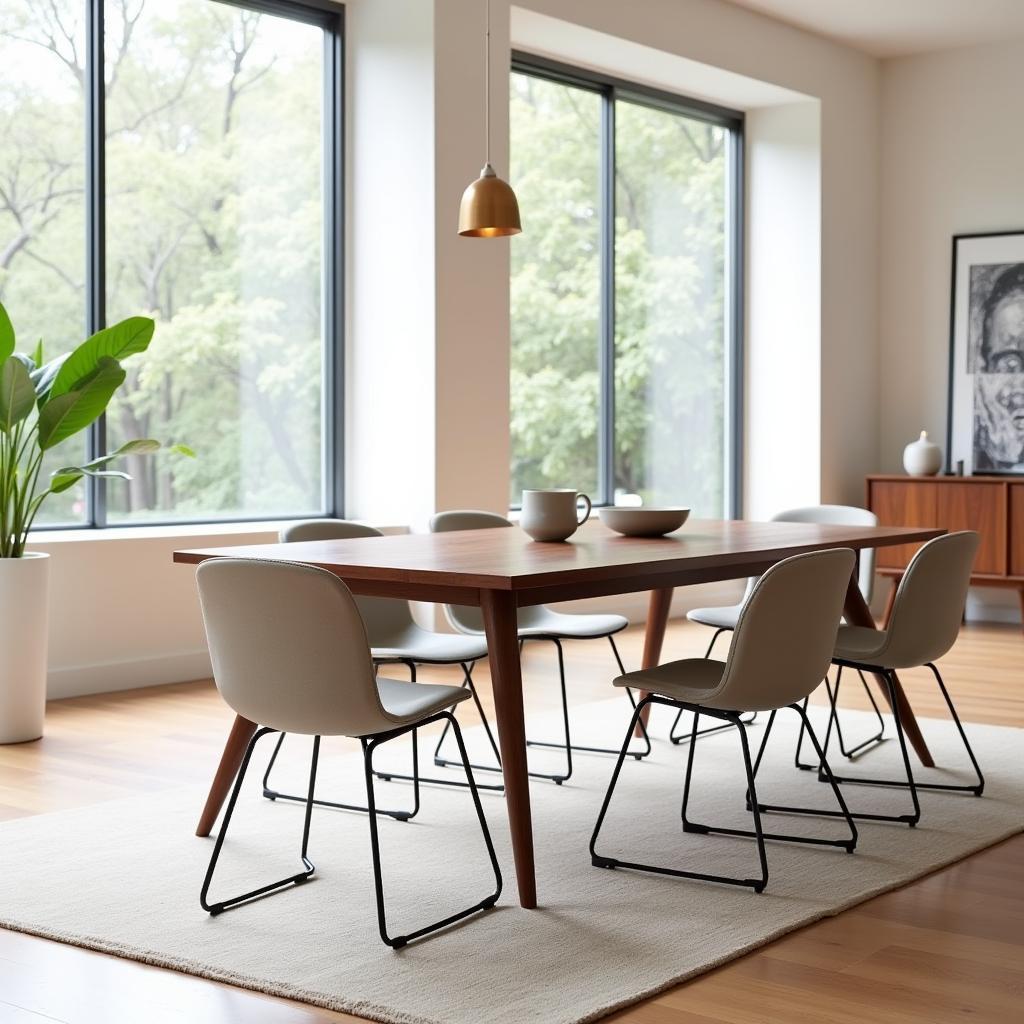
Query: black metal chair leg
636	754
976	788
220	906
398	815
856	751
602	861
910	784
847	844
397	942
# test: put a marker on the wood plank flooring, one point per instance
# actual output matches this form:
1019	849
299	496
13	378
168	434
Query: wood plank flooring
948	947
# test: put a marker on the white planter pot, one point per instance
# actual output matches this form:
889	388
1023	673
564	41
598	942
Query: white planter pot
24	621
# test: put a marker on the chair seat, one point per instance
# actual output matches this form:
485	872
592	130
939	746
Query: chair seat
691	680
423	645
411	702
859	643
541	621
720	618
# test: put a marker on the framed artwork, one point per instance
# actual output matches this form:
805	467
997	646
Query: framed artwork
986	354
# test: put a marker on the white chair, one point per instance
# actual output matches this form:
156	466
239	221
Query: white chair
289	652
538	623
926	616
784	639
395	637
723	619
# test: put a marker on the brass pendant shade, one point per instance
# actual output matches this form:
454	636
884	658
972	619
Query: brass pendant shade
489	208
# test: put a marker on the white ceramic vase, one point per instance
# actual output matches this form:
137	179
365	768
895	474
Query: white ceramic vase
922	457
24	620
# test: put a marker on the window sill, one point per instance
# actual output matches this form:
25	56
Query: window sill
43	538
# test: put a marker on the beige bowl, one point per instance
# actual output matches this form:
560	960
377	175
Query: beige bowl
643	522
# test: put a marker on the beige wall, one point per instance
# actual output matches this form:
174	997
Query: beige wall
952	163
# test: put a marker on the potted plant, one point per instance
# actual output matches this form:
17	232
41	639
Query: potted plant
41	405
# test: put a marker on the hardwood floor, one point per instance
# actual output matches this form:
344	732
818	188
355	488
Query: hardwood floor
947	947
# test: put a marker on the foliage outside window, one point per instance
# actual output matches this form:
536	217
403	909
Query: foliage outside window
622	342
215	218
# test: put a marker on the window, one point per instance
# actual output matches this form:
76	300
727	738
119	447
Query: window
624	291
180	159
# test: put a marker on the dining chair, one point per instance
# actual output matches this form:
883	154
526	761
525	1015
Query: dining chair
924	624
543	624
290	653
723	619
395	637
784	636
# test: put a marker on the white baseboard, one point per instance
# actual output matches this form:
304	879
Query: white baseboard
108	676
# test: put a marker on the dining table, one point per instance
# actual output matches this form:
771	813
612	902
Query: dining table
501	570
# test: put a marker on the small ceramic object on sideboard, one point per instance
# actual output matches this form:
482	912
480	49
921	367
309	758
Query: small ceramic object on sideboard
922	457
552	515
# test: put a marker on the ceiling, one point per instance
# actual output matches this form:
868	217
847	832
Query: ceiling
894	28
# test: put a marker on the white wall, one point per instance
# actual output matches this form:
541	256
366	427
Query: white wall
952	162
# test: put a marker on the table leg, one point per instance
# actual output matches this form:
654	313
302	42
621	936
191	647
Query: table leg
658	606
891	600
499	611
238	739
857	613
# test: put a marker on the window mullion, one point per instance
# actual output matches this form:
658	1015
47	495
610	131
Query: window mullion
606	440
95	257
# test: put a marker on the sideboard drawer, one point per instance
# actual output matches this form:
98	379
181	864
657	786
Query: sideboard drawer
1017	530
902	504
979	507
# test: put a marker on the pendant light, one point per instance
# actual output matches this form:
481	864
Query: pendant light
489	208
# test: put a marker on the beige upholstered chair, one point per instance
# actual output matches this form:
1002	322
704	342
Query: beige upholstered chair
539	623
723	619
924	624
784	639
289	652
395	637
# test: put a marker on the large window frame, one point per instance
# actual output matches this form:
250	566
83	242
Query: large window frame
611	89
329	17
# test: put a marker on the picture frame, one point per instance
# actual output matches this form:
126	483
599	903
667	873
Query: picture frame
985	409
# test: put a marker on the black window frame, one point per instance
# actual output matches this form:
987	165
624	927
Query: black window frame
329	17
610	89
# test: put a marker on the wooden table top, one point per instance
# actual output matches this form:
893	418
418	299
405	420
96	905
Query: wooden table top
506	559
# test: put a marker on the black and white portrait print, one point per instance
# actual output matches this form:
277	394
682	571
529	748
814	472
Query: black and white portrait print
987	369
996	357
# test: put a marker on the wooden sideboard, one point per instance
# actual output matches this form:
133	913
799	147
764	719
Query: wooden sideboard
992	505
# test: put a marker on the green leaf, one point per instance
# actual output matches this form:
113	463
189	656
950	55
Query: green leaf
17	396
65	478
6	334
37	355
141	446
124	339
44	376
68	413
69	476
182	449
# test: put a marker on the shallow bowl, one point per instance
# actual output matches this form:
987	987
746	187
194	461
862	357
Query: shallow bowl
643	522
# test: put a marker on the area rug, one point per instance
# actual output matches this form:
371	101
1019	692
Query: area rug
124	877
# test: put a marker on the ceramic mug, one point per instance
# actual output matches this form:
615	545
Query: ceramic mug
552	515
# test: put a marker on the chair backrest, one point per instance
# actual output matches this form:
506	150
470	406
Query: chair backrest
786	632
288	647
929	603
384	617
840	515
462	617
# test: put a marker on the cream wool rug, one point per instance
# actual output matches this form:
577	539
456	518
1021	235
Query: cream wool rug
124	877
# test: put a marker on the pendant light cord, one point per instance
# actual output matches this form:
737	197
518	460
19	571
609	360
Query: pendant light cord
487	85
